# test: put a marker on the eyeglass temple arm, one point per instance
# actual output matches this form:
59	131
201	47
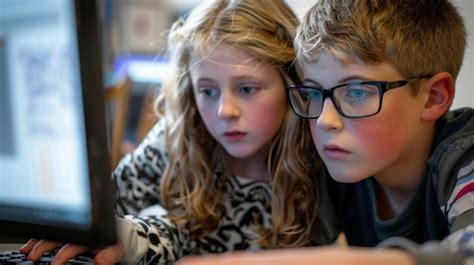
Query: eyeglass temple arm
400	83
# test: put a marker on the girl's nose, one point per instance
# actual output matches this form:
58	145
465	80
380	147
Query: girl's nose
228	107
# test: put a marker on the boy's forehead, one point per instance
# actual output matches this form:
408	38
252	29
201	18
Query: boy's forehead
328	68
322	57
325	62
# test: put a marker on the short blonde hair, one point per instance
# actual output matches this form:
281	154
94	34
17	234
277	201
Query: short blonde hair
264	29
418	37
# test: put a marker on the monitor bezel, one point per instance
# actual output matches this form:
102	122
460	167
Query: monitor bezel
102	231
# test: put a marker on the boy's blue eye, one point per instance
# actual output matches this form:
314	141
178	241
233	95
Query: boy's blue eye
315	95
311	94
360	92
357	93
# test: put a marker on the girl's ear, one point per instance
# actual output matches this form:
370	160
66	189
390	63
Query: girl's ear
440	96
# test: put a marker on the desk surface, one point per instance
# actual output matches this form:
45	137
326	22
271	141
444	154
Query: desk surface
9	247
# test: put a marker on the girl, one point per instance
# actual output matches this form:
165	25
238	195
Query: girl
219	160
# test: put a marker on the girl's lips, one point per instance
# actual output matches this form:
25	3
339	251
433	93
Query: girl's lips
234	136
334	147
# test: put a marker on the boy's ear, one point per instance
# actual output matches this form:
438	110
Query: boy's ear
440	96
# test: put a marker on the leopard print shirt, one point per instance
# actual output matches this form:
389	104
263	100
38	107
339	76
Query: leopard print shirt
151	237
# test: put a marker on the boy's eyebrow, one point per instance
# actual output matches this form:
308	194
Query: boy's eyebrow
307	80
353	77
342	81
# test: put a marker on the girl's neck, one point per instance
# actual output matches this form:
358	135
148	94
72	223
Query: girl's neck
254	167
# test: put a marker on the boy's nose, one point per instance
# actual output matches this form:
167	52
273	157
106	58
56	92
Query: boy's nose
330	119
228	108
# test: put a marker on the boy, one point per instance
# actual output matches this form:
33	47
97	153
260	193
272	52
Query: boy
378	82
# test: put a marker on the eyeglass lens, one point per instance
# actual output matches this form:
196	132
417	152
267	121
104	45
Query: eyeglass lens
354	100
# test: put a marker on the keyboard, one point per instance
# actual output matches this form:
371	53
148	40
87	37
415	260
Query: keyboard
17	258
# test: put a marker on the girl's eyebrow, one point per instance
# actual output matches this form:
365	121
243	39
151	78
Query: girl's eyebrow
233	78
253	77
205	79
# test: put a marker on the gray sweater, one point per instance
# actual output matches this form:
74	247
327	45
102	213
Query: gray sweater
437	226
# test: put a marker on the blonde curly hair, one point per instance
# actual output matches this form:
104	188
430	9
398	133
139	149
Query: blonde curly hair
263	29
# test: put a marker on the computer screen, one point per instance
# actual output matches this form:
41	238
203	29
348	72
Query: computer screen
54	172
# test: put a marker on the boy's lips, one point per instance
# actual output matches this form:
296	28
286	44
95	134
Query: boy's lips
334	152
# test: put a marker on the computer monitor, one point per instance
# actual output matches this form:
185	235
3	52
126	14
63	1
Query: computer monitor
54	167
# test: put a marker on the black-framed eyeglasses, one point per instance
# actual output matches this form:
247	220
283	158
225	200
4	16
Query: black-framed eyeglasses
352	100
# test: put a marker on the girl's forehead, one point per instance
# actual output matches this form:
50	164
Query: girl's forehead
223	55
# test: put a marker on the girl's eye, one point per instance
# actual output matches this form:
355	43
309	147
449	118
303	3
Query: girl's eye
247	90
207	91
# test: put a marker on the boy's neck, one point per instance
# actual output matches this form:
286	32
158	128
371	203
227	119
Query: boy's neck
390	203
398	184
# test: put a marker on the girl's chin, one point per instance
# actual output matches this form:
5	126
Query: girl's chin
236	153
343	178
